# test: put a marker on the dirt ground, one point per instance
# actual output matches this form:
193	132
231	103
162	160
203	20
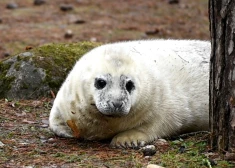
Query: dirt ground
99	20
25	139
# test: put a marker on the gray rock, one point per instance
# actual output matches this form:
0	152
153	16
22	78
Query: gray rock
1	144
12	5
154	166
148	150
6	54
27	80
66	7
173	1
40	72
68	34
39	2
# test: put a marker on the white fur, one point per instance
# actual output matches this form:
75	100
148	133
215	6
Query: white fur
170	97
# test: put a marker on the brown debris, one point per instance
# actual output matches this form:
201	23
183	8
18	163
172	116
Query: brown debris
66	7
28	48
229	156
74	128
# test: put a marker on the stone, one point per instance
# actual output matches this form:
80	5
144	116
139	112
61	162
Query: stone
148	150
68	34
12	5
152	32
229	156
79	21
75	19
1	144
39	2
66	7
154	166
39	72
6	54
173	1
26	77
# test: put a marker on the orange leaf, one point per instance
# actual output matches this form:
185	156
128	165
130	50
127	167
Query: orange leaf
74	128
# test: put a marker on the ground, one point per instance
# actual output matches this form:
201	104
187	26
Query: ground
25	139
99	20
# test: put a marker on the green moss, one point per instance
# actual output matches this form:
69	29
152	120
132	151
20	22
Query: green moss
5	82
188	152
22	58
58	59
18	58
24	86
17	66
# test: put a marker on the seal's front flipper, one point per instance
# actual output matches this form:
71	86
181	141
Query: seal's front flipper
131	139
58	125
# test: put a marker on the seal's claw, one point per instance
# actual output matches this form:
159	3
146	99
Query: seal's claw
130	139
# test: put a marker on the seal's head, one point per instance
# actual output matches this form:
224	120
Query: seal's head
113	94
112	80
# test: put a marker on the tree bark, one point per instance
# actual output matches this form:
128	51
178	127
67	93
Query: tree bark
222	75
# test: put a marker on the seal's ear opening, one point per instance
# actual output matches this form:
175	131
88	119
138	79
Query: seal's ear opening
130	86
100	83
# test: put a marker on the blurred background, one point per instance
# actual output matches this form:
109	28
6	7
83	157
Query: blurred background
31	23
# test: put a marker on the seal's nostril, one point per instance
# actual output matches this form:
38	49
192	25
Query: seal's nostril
117	104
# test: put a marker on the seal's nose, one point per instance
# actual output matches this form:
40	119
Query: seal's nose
117	104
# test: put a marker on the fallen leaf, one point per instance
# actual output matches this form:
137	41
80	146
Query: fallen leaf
74	128
29	122
28	48
36	103
230	156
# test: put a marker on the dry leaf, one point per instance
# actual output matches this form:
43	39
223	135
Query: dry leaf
28	122
74	128
230	156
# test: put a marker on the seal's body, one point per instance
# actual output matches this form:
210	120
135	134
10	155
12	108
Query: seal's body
135	92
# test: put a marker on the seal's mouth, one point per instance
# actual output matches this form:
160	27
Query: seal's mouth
110	114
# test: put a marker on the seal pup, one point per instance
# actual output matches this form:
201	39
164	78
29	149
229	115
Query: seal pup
135	92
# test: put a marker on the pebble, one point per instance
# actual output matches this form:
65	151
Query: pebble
66	7
79	21
43	139
149	150
2	144
28	166
230	156
161	140
212	162
44	125
52	102
12	5
39	2
51	140
6	54
76	19
182	149
173	1
154	166
68	34
93	39
152	32
45	122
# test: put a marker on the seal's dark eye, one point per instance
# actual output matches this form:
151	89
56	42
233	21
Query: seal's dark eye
100	83
130	86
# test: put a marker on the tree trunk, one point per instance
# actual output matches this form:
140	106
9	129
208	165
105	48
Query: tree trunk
222	76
